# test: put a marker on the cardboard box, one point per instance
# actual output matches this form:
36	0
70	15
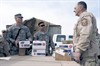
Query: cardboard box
22	51
60	57
39	45
24	44
67	42
66	47
38	52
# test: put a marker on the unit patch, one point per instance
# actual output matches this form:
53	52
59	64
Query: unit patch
84	22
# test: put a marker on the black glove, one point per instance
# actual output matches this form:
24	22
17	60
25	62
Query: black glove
31	41
98	56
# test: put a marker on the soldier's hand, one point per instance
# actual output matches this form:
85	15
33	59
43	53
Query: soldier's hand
16	43
76	56
98	56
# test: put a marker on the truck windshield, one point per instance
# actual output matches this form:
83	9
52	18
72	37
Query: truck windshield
60	38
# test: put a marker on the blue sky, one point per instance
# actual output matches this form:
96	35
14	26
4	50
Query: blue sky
55	11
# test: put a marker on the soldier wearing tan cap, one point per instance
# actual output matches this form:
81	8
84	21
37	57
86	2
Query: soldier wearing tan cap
84	37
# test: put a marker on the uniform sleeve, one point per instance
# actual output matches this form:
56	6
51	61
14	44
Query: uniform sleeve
36	36
99	44
9	36
29	35
85	33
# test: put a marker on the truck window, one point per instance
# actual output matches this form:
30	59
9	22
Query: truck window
60	38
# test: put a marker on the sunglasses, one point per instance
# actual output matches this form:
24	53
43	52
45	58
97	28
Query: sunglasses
42	25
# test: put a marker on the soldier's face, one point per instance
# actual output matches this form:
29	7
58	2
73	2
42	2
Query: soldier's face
77	10
19	20
42	26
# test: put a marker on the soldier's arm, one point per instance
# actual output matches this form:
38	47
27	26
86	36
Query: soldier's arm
36	36
99	40
9	36
85	33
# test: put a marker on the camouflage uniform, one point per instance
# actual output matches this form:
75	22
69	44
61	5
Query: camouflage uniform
45	37
98	42
84	39
24	34
4	47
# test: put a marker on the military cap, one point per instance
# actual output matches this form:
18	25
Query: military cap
18	16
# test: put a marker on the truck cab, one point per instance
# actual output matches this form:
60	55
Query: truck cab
58	38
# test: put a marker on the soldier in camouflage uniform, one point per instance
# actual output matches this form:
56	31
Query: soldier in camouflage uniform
84	37
4	45
43	36
24	34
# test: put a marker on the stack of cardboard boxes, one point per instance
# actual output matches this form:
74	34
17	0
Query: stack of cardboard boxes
22	47
63	53
38	48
